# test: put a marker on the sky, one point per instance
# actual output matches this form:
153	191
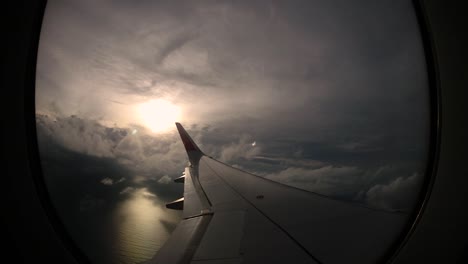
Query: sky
328	96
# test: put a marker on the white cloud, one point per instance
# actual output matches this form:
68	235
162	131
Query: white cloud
107	181
378	187
128	190
327	180
140	178
144	192
147	194
164	179
399	194
145	153
241	149
149	154
120	180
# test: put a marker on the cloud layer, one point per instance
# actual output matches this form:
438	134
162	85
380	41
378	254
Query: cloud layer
338	173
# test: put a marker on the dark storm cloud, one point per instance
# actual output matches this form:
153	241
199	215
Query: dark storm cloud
74	178
376	173
78	182
333	93
350	174
142	152
81	135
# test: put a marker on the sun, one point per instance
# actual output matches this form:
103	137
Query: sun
158	115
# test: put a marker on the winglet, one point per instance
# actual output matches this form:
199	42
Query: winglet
193	152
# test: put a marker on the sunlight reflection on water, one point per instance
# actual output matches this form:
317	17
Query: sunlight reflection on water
143	227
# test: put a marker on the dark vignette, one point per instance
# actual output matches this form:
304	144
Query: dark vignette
33	148
16	131
434	133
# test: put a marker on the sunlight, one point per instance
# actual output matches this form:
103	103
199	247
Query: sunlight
158	115
141	229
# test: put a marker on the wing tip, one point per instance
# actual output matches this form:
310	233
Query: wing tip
189	145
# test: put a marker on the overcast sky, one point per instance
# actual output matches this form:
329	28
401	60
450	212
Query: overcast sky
330	96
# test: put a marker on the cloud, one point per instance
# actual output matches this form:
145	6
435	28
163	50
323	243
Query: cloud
297	162
376	187
138	179
399	194
306	86
146	155
165	180
148	194
107	181
326	180
172	45
142	152
266	69
120	180
243	149
81	135
128	190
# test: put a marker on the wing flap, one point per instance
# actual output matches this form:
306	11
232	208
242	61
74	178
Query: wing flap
220	242
183	242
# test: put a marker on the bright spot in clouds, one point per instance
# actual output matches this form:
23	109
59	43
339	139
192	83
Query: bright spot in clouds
254	143
158	115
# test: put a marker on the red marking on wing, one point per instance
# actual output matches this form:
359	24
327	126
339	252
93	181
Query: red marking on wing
188	142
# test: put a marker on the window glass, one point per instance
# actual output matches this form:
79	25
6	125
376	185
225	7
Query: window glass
327	96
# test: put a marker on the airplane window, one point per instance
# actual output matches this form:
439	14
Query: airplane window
331	97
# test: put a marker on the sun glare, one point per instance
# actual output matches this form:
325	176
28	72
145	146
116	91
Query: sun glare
158	115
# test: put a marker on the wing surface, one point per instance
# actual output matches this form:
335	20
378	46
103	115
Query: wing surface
231	216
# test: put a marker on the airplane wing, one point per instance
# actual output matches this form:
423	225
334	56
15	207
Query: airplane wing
232	216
